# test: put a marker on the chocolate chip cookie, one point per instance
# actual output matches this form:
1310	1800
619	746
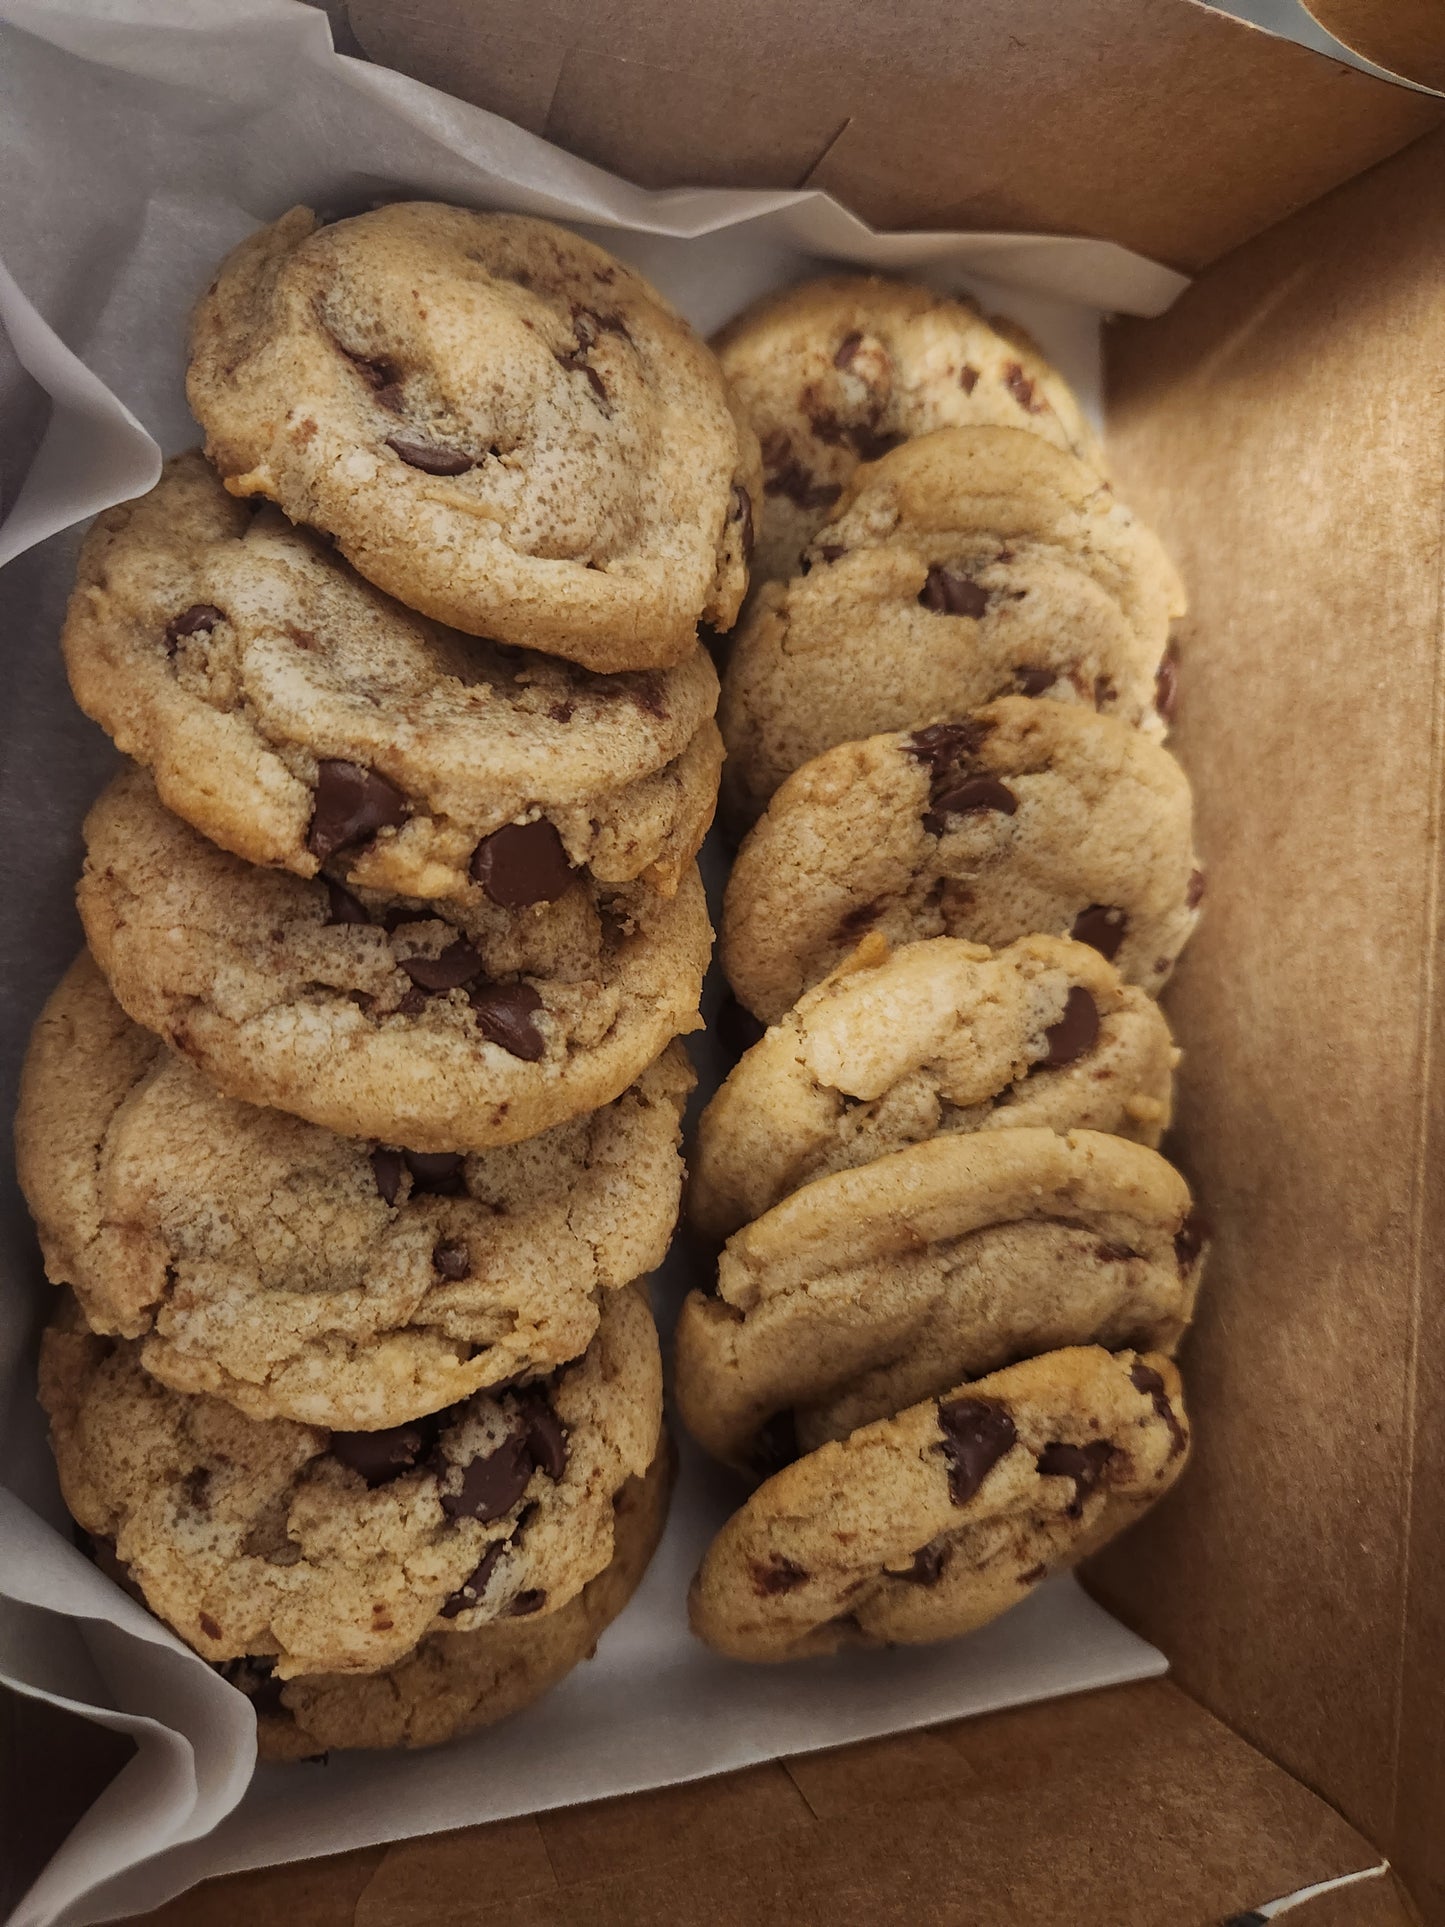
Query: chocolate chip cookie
965	565
338	1551
896	1046
840	370
872	1288
454	1683
296	716
497	422
307	1276
927	1525
1022	817
441	1026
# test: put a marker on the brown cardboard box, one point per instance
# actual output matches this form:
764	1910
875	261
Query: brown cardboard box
1284	426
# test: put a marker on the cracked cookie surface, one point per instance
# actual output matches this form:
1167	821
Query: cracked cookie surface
330	1551
1023	817
307	1276
499	423
841	369
874	1287
243	663
927	1525
441	1026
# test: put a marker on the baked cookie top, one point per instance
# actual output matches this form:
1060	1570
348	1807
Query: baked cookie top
255	674
839	370
874	1287
337	1551
443	1026
1022	817
454	1683
499	424
307	1276
896	1046
924	1526
965	565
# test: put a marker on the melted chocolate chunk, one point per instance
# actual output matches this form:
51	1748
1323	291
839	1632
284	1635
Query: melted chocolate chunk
1022	389
451	1259
946	746
1166	685
740	510
210	1627
1033	682
382	1456
469	1592
443	1173
544	1432
832	551
976	1434
530	1601
505	1013
386	1169
776	1574
1084	1464
1194	893
927	1567
492	1485
1190	1238
199	620
968	378
776	1444
1076	1032
430	459
457	965
1146	1380
352	804
342	907
561	712
948	593
974	796
1102	928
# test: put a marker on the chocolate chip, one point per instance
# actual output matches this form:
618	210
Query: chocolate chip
647	693
1105	691
1033	682
352	804
457	965
1166	686
967	378
1022	389
561	712
832	551
927	1567
442	1173
1076	1032
197	1487
740	510
974	796
1191	1237
411	1002
543	1430
199	620
452	1259
948	593
1146	1380
380	1457
976	1434
1194	893
776	1444
776	1574
492	1485
430	459
1102	928
386	1169
1084	1464
738	1030
943	746
505	1013
847	348
530	1601
343	907
522	864
469	1592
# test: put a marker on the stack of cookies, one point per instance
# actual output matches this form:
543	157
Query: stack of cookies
954	1266
355	1128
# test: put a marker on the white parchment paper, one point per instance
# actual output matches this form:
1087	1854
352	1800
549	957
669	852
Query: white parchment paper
139	140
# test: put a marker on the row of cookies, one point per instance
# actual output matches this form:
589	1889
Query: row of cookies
954	1265
355	1130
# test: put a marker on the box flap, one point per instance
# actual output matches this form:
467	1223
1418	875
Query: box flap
1284	428
1405	36
1159	124
1128	1805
